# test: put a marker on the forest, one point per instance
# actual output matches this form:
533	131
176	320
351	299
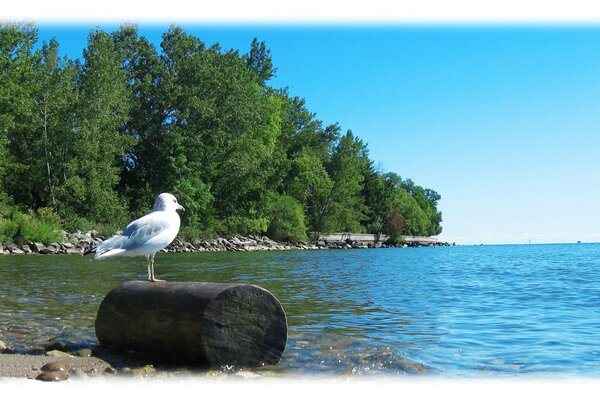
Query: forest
87	143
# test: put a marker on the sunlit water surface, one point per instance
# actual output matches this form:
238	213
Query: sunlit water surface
467	310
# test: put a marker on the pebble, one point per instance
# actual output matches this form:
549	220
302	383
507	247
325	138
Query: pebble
58	353
83	353
52	376
146	370
55	366
110	371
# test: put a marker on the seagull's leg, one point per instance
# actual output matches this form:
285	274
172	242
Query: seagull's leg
148	265
152	278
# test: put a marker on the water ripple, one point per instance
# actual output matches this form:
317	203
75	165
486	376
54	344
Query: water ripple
477	310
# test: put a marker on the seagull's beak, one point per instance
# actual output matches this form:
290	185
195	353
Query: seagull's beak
180	207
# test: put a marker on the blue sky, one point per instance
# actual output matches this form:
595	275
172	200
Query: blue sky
502	121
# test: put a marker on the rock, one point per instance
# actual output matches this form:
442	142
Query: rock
52	376
73	251
55	366
83	353
146	370
57	345
37	247
58	353
109	371
52	248
17	251
26	249
10	247
3	346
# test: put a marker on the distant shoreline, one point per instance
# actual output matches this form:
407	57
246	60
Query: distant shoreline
78	243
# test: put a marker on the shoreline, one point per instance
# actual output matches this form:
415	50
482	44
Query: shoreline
78	243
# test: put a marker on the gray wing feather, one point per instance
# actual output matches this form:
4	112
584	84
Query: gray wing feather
135	234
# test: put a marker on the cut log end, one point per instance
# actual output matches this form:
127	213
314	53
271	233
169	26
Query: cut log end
194	322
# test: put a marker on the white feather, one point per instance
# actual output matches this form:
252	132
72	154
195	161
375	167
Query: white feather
146	235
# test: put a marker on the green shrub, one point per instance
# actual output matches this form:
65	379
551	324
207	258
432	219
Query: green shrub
287	219
41	226
237	225
193	232
17	226
8	230
74	222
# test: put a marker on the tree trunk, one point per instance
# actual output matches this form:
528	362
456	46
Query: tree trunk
194	322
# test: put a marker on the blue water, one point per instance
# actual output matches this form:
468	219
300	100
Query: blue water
467	310
471	310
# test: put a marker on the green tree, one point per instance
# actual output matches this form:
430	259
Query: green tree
221	128
259	60
312	186
54	98
17	109
347	167
394	224
287	219
375	194
143	173
93	171
97	139
415	220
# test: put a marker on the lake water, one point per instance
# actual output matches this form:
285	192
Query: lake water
486	311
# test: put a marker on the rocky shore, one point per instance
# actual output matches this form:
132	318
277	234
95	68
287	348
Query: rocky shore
79	242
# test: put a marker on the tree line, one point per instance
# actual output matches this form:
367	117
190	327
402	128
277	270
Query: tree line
87	143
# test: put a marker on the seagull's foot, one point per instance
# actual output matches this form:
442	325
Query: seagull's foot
156	280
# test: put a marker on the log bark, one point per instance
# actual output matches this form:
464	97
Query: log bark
206	323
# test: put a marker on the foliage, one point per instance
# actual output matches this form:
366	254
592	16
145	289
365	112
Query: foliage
394	225
96	139
287	219
312	187
40	226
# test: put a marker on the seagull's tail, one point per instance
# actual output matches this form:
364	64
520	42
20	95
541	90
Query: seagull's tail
108	248
108	253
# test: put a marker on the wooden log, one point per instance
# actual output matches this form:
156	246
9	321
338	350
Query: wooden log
206	323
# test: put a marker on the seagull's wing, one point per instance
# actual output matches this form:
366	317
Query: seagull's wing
136	234
145	228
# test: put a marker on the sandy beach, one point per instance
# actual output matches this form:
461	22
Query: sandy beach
30	366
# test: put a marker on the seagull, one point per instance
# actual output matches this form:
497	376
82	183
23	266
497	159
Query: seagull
146	235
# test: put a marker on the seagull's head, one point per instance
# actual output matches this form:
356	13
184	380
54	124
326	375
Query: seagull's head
167	202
